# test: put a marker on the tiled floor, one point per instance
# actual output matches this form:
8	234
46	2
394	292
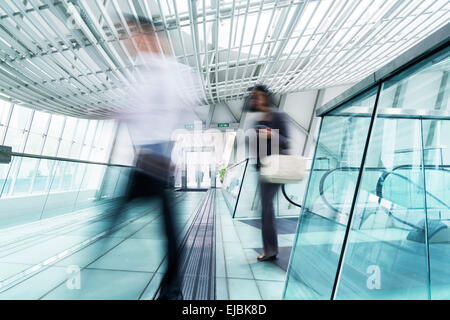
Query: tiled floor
129	263
239	274
124	265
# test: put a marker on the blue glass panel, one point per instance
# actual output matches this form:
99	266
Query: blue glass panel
398	243
16	179
329	196
232	182
383	257
437	182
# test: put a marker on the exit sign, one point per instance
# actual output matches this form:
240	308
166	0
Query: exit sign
223	125
189	126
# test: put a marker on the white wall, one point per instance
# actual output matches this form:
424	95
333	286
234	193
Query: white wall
330	93
300	107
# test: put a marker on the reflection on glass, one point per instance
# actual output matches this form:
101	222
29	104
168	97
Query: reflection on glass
249	204
109	183
398	243
32	189
90	185
328	200
16	132
13	207
43	176
232	184
389	209
5	109
399	235
437	183
38	128
63	192
4	170
53	135
295	193
25	176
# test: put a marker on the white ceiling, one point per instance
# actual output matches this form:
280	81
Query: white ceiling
69	59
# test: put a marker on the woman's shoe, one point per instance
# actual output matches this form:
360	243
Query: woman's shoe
263	257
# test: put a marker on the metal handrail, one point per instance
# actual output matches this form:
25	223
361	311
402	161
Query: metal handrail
236	164
28	155
283	190
380	185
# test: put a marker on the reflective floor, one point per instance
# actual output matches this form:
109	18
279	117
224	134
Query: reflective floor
40	260
239	274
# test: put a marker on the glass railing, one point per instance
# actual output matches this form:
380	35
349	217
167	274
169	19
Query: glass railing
232	184
241	193
33	188
392	190
65	216
375	223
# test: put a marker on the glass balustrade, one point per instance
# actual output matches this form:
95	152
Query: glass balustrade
375	222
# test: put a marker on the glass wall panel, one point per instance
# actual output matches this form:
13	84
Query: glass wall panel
63	190
78	138
295	192
88	140
437	183
17	130
232	184
43	176
122	184
390	208
10	176
249	204
4	171
24	179
396	216
109	182
245	184
331	187
5	109
106	140
90	185
13	209
38	130
32	188
53	135
67	137
95	152
397	244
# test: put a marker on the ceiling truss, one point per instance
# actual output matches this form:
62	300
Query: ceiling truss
69	57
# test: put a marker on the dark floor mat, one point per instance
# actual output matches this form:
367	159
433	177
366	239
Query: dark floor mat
284	225
282	260
197	253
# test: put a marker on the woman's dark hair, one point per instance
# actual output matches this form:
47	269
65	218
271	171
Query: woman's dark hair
261	88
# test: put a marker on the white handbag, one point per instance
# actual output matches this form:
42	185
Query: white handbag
285	169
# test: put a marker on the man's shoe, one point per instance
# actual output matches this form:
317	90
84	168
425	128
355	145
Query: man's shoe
263	257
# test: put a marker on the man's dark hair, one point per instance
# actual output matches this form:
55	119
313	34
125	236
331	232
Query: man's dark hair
139	21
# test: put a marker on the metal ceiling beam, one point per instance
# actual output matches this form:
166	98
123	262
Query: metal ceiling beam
291	45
